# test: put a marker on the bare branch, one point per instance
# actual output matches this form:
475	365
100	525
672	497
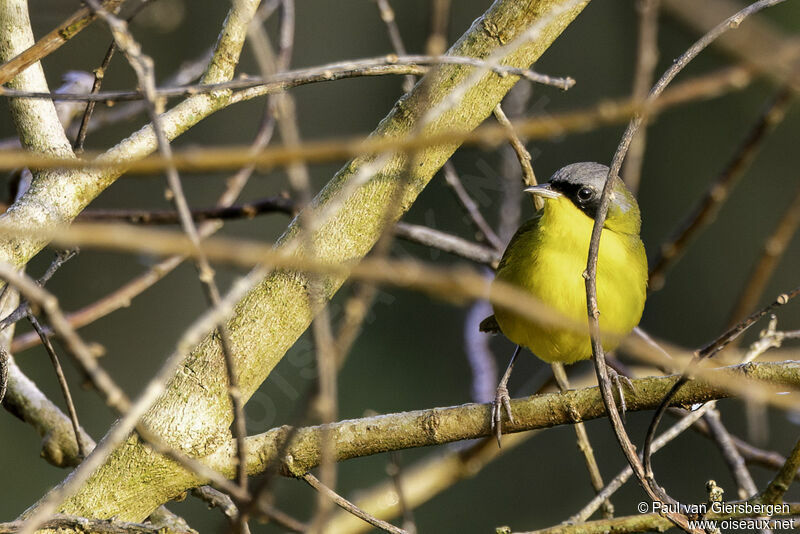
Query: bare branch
469	421
350	507
610	112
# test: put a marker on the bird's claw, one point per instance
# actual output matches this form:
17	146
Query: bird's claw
502	401
618	381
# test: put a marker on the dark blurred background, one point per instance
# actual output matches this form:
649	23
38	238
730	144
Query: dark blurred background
411	354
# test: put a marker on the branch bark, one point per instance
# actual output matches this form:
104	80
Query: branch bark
437	426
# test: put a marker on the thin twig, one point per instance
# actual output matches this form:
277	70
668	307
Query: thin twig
646	61
350	507
325	403
509	212
396	473
83	354
326	407
152	392
246	210
217	499
437	38
188	72
447	243
99	75
523	155
718	191
736	464
113	395
687	420
208	158
761	44
584	444
644	474
23	310
774	247
752	455
485	231
382	65
470	207
62	382
387	16
778	486
708	351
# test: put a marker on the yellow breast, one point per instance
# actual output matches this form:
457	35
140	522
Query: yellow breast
547	258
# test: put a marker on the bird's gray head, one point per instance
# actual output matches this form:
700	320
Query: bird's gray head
583	183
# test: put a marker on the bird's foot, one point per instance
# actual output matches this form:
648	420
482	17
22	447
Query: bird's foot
618	380
502	401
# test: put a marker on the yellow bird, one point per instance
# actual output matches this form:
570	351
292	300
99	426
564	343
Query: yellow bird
547	258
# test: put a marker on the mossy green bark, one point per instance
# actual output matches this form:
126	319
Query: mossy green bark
422	428
194	415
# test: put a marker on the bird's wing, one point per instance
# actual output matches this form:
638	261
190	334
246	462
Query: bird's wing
489	324
527	226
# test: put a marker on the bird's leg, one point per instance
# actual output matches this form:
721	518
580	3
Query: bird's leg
502	400
618	381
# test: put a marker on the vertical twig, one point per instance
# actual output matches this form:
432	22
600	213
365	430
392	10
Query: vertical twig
584	444
645	476
646	61
283	107
437	39
387	16
524	157
396	473
99	75
510	169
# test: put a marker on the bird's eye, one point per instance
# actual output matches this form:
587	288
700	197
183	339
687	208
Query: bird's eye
585	193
